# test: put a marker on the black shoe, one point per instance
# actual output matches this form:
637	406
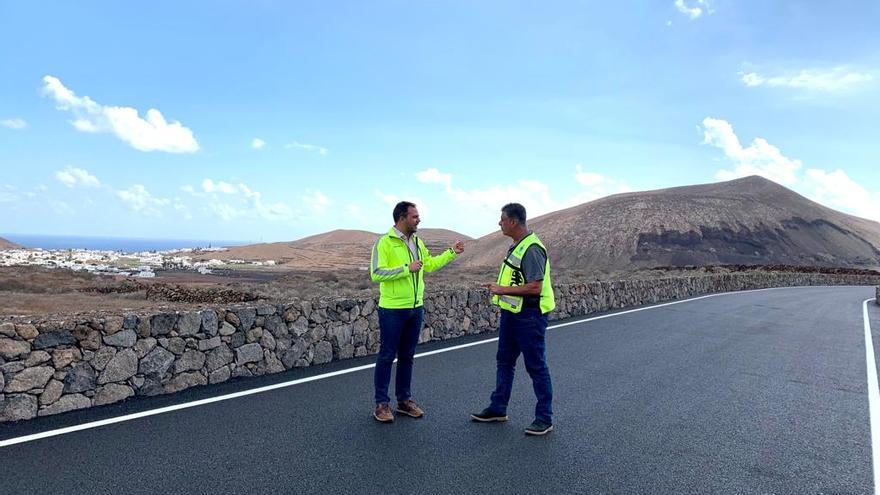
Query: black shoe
539	428
487	416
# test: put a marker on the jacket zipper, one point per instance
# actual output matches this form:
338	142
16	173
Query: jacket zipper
415	275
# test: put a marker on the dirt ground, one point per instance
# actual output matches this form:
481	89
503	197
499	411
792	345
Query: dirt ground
31	291
28	290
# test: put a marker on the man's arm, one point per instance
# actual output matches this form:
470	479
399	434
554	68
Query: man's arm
434	263
529	289
379	269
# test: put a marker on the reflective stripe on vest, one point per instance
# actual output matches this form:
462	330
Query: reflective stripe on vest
512	301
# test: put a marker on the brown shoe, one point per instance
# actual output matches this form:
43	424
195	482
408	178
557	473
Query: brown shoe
410	408
383	413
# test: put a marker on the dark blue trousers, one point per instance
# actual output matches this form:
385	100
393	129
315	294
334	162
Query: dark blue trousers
398	335
524	333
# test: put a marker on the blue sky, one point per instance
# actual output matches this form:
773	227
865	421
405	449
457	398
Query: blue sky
271	121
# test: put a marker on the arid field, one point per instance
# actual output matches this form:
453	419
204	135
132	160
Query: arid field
28	290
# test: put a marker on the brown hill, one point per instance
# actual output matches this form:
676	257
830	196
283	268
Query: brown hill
330	250
745	221
5	244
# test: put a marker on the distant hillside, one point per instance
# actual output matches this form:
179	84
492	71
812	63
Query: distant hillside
745	221
334	249
5	244
439	239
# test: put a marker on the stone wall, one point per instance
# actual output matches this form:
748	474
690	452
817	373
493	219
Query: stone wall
51	366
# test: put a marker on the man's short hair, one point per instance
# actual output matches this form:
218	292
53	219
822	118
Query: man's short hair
401	209
515	211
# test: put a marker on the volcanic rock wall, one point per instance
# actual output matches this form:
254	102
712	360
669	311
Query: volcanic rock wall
52	366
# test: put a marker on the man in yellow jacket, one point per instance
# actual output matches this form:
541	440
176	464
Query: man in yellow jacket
398	263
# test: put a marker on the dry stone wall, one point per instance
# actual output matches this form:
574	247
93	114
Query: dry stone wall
52	366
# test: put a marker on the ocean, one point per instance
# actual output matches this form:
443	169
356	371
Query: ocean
124	244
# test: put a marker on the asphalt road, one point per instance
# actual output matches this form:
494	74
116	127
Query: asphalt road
756	392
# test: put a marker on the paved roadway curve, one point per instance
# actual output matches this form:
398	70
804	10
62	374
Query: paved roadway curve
755	392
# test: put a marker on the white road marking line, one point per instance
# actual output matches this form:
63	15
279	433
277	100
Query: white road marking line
873	394
243	393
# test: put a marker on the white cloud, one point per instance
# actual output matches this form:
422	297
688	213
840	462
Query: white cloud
226	211
759	158
833	80
355	210
308	147
837	190
247	191
316	201
695	10
231	201
227	188
8	194
209	186
388	199
477	210
152	133
434	176
274	211
535	193
181	208
834	189
357	217
589	179
72	176
11	194
83	125
258	144
595	186
16	124
140	200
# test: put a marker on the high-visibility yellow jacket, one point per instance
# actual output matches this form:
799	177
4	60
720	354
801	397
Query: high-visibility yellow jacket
389	266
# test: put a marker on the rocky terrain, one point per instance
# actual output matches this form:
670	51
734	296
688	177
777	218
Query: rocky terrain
744	221
6	244
38	291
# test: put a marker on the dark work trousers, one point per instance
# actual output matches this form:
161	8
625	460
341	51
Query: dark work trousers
398	335
524	333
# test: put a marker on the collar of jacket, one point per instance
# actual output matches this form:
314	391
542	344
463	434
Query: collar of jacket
392	232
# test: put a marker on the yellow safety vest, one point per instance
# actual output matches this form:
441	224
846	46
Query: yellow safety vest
511	275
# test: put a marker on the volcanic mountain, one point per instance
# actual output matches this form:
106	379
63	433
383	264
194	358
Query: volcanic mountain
330	250
5	244
744	221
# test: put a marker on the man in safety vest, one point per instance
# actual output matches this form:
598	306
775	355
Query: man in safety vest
525	296
398	263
